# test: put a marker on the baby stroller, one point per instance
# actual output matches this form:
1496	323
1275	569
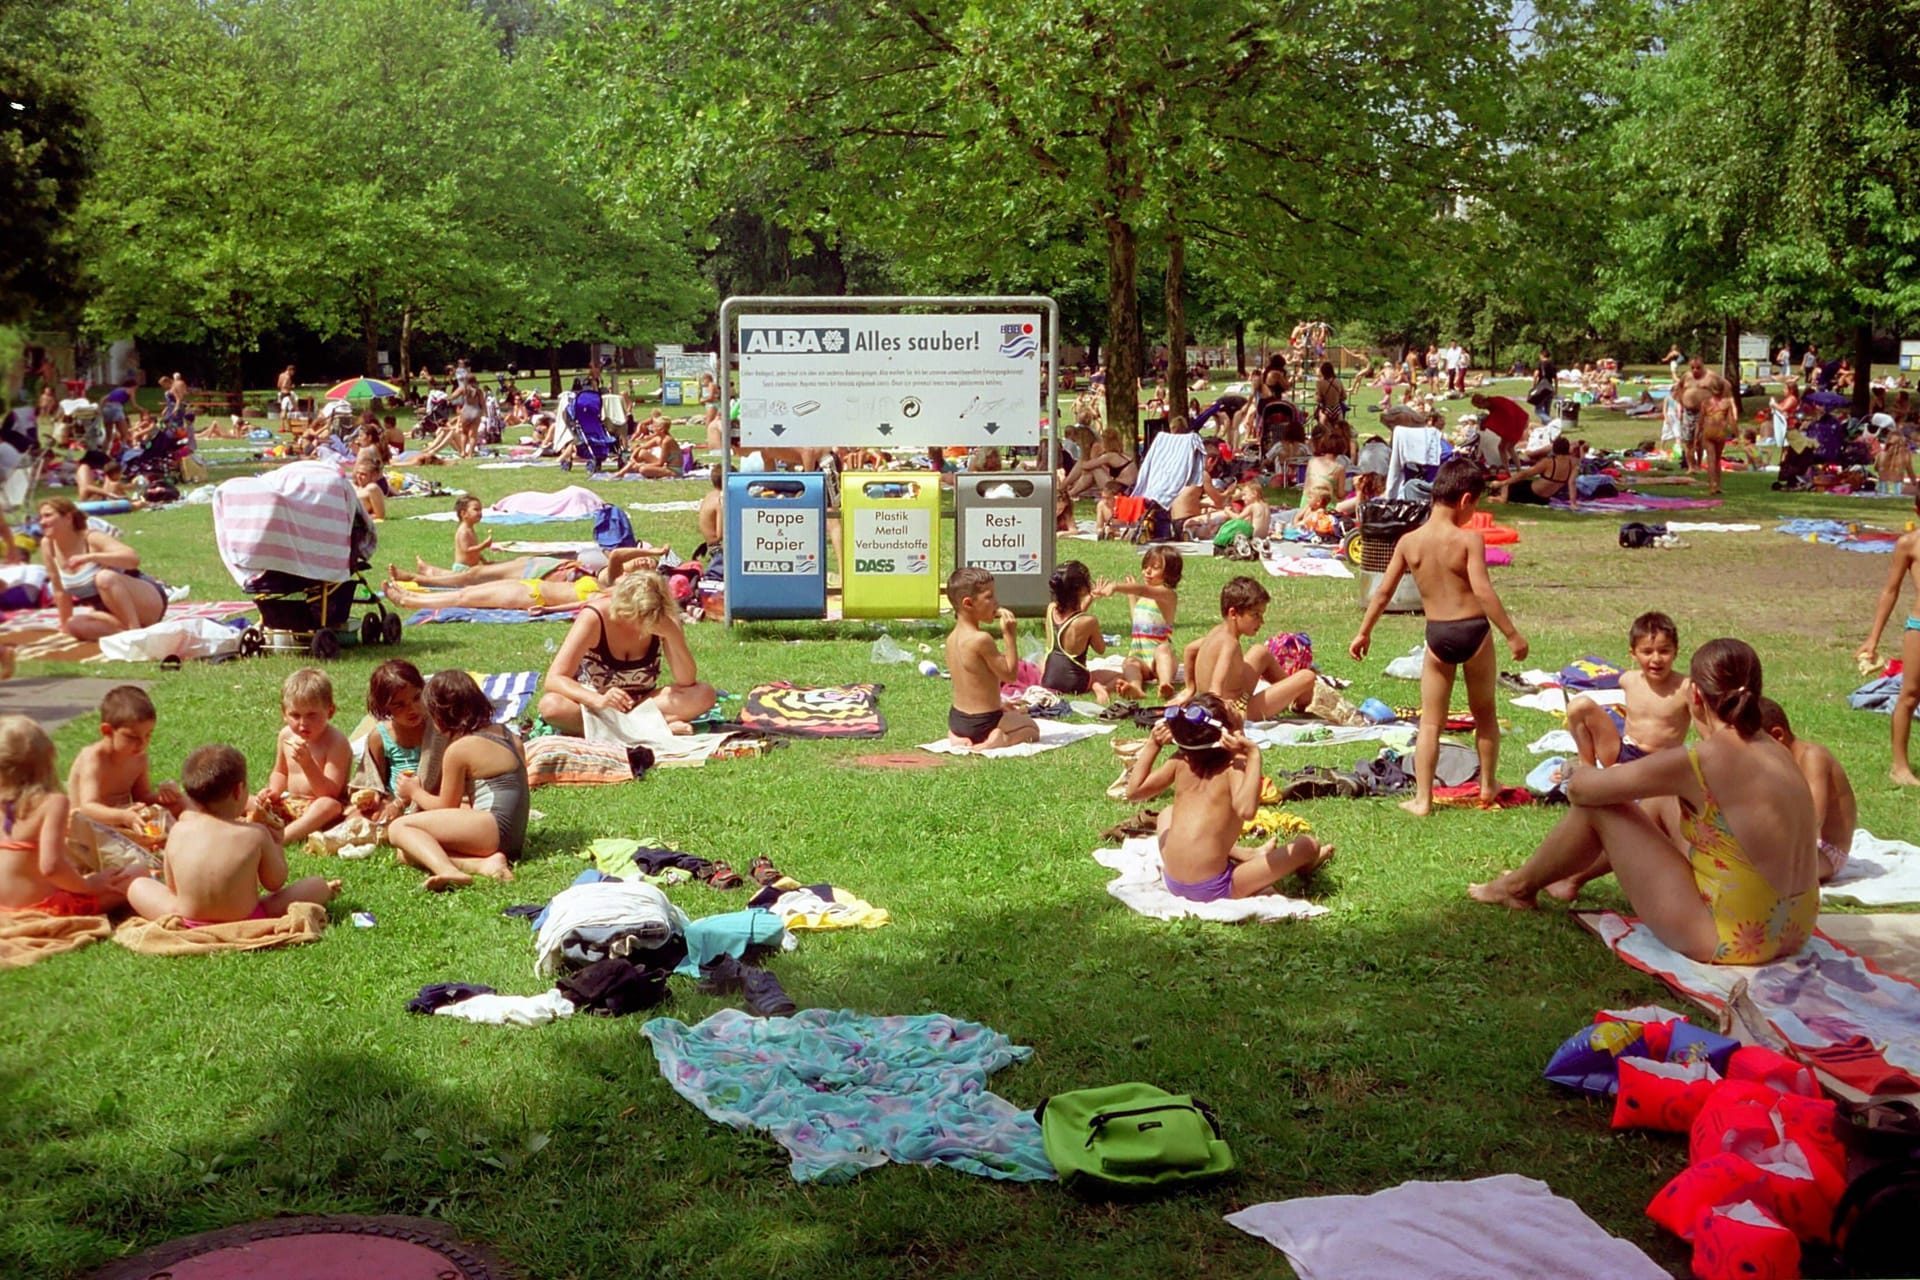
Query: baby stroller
438	412
158	461
298	542
580	425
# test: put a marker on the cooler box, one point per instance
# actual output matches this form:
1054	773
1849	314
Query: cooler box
890	541
1003	523
776	545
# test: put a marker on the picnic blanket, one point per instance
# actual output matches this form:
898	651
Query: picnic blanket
304	922
1285	566
1141	887
1856	1025
1845	535
844	1092
1052	734
1879	873
1635	502
831	711
1444	1229
27	937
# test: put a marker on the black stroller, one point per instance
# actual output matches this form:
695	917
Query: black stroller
299	543
158	460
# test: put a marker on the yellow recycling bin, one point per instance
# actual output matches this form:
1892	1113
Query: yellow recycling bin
890	544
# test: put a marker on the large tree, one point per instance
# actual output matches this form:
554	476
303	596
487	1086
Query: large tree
974	140
44	158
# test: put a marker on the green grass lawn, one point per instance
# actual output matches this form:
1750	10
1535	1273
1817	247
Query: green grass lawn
1400	1036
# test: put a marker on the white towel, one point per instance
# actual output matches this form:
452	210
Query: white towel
1879	873
1553	742
509	1011
1505	1225
604	904
1052	734
1285	566
1294	734
1554	701
1141	886
646	726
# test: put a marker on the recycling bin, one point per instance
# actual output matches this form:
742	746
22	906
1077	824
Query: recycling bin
1003	522
890	544
776	545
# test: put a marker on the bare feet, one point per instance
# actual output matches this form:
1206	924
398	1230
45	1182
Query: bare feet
452	880
1308	855
1166	690
498	868
1563	890
1500	892
1128	689
679	728
1418	808
1905	778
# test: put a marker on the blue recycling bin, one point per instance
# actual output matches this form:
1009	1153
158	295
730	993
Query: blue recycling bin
776	545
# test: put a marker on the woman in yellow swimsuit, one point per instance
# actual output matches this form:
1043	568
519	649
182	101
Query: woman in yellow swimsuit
566	586
1719	857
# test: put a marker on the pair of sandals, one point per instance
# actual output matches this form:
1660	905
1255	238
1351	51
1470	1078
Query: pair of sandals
1318	782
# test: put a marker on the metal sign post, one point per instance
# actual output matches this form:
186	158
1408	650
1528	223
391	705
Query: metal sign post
836	371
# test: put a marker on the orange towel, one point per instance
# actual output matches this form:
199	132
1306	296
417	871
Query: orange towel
304	922
1494	535
30	936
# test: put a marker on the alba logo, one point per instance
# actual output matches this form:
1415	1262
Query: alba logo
793	342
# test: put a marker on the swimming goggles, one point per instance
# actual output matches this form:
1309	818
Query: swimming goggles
1193	713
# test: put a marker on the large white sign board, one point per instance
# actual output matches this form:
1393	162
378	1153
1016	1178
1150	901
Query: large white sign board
891	381
1754	346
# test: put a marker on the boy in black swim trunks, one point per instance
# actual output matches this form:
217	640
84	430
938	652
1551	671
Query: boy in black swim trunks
978	719
1449	563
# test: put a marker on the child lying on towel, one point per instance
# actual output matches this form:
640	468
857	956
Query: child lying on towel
215	862
1215	776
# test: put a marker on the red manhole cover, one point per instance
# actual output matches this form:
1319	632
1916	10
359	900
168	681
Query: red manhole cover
343	1248
899	760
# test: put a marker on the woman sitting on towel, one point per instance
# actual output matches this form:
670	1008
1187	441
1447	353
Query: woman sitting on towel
1550	478
1719	855
612	657
95	569
1108	460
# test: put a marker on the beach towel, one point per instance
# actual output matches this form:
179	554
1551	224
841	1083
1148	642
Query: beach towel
570	503
1318	733
1172	463
1052	734
1636	502
1285	566
1856	1025
662	508
49	619
1846	536
27	937
1553	701
499	617
297	519
1709	526
646	726
832	711
509	692
1878	694
304	922
1141	887
1505	1225
1879	873
571	550
844	1092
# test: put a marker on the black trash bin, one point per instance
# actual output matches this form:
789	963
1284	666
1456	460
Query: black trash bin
1383	522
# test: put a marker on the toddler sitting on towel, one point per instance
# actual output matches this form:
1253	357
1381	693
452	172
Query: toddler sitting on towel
35	874
312	759
216	863
1215	776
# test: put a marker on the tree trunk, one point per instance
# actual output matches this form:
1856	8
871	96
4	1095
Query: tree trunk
1730	351
553	366
406	337
1123	328
371	331
1862	369
1240	345
1176	325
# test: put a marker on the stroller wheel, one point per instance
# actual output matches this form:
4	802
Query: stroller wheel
252	642
370	630
390	628
1350	547
325	645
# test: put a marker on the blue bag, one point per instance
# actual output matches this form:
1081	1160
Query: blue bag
611	529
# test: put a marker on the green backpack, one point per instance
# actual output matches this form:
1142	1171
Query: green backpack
1130	1136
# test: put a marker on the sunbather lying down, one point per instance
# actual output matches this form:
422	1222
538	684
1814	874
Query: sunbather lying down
538	584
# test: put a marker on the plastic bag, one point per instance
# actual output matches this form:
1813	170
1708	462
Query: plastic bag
886	650
182	637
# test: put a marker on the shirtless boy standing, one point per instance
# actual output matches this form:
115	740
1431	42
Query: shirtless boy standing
1834	807
215	863
109	778
1906	563
1449	563
978	719
311	759
1656	711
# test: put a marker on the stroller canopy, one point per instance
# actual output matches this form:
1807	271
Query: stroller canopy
303	519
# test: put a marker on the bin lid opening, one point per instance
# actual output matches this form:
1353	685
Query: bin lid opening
890	489
776	489
1002	490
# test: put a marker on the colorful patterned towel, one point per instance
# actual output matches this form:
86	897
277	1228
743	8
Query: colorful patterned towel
834	711
420	617
844	1092
1826	1005
49	619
